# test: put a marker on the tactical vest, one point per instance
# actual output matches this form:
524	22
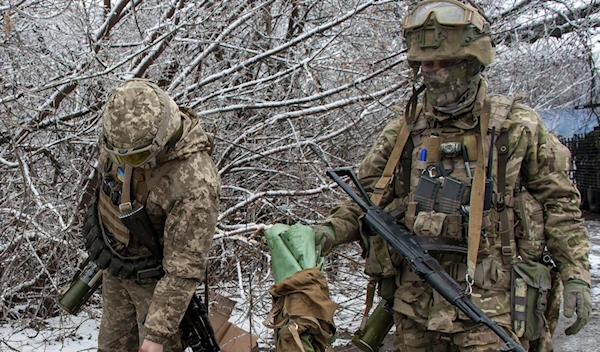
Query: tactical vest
436	208
109	242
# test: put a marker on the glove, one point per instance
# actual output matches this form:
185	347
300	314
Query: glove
324	237
577	299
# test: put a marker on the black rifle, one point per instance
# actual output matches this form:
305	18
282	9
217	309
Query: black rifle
399	237
198	332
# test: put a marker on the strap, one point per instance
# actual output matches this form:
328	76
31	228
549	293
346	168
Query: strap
368	302
501	107
406	163
126	191
412	110
477	194
293	328
505	228
388	171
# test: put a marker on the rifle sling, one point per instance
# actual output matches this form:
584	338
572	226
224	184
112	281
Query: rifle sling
477	194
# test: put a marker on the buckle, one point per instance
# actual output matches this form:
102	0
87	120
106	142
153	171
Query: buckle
506	250
150	272
125	207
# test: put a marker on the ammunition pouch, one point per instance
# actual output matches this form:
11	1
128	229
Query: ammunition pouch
529	298
100	251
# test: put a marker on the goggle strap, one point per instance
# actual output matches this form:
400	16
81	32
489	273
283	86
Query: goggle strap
162	130
176	137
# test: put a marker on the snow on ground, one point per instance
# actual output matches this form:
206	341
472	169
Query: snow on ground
65	334
347	284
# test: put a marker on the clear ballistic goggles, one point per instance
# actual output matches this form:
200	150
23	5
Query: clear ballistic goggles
448	13
135	156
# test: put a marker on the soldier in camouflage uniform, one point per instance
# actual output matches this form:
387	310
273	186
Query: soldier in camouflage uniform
448	137
152	154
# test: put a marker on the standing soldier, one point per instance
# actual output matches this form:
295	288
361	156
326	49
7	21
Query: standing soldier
155	159
483	186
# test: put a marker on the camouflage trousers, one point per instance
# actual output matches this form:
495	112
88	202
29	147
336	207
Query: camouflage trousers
124	307
411	336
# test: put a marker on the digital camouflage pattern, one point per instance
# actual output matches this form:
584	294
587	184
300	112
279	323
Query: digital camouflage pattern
537	163
183	206
134	112
124	305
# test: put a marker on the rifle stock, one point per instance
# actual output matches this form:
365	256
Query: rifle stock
198	333
427	267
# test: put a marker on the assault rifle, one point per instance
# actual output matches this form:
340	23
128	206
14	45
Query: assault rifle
198	332
421	261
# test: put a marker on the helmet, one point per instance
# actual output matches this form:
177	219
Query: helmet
138	121
446	30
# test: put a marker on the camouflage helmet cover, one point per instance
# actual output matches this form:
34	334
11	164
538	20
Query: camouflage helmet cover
138	114
446	30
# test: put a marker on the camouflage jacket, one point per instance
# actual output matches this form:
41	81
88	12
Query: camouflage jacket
537	162
185	203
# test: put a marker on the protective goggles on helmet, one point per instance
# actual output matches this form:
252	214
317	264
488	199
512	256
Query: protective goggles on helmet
135	156
448	13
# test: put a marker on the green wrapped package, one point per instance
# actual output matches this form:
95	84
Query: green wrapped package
292	249
282	260
300	240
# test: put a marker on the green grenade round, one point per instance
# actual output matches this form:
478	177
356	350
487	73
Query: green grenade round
85	283
378	325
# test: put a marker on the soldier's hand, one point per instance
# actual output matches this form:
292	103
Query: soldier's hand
150	346
325	237
577	299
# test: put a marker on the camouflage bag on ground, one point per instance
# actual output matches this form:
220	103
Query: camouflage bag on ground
302	313
531	283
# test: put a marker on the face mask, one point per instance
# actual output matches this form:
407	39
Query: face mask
452	88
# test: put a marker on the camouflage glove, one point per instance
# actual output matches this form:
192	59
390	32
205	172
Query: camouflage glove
577	299
325	237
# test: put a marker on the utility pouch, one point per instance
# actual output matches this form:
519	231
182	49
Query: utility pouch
529	298
429	223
